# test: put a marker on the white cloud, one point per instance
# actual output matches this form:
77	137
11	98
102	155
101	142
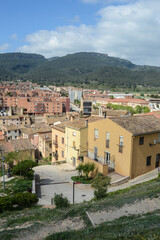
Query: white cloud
129	31
14	36
108	1
75	19
4	47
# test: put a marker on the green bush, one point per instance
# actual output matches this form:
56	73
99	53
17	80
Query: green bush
30	174
24	200
60	201
100	183
6	203
24	167
19	200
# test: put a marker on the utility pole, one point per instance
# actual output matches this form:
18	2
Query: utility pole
73	192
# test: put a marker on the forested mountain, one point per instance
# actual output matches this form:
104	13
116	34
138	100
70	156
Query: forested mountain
90	69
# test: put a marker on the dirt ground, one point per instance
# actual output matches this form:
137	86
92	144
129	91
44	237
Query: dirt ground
141	207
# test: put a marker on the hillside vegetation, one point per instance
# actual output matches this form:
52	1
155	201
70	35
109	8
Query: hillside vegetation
83	69
38	222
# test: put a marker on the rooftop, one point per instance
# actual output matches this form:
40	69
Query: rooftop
79	124
139	125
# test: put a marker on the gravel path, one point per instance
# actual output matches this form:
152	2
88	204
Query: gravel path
142	207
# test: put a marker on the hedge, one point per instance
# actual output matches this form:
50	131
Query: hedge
18	201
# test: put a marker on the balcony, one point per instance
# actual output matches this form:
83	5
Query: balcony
55	143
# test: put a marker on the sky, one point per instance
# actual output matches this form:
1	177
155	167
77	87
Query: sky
128	29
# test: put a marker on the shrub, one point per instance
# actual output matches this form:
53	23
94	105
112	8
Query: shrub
100	183
30	174
6	203
19	200
22	168
87	168
60	201
79	168
24	200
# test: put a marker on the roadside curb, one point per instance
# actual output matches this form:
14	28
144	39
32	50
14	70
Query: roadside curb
90	219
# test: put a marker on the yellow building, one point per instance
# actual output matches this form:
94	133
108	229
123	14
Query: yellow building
45	144
58	143
129	145
76	140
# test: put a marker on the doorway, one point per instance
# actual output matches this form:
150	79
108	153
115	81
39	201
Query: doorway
106	158
157	160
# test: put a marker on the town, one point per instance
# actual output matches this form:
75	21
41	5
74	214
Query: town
66	130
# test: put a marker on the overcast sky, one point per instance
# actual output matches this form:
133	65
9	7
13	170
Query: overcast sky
128	29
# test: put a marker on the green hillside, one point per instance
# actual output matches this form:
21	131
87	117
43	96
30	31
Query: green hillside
81	69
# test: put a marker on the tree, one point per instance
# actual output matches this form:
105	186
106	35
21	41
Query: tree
11	157
146	110
87	168
138	109
24	167
79	168
100	183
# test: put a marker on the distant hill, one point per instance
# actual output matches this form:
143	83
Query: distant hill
87	69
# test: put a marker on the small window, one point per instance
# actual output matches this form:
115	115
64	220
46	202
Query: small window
62	140
107	140
96	133
63	154
74	144
158	138
141	140
148	163
121	144
74	134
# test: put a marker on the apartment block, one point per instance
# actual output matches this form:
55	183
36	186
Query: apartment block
127	145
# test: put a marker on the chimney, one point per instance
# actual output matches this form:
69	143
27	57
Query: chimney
86	123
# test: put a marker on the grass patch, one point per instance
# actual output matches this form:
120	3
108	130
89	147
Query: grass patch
81	179
116	199
18	184
1	172
132	228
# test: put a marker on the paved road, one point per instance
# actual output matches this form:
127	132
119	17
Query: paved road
55	180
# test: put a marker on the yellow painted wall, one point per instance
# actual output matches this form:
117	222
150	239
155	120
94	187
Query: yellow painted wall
122	160
80	137
140	153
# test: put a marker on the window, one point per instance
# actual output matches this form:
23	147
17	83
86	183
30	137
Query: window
121	144
96	133
62	140
141	140
74	134
74	144
63	154
148	163
158	138
107	140
107	157
95	153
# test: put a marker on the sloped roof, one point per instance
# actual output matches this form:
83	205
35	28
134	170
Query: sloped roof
16	145
139	125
